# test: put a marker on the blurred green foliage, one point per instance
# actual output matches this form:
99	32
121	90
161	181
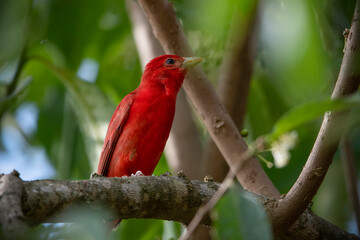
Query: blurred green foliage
297	61
239	215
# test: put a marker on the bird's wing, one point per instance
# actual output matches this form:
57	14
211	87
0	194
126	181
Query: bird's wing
116	125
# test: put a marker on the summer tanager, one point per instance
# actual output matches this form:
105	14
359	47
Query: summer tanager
141	123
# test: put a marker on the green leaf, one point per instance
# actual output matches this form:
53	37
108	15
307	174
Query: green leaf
140	229
308	112
239	215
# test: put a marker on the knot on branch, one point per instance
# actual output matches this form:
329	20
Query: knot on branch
217	124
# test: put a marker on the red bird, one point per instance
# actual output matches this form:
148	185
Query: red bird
141	124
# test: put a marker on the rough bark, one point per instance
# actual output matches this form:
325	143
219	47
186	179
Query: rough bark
168	198
183	148
310	226
289	209
168	31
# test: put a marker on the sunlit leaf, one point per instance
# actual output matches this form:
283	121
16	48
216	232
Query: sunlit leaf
308	112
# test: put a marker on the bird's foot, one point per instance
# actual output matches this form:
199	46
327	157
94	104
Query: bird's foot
95	175
166	174
182	175
137	174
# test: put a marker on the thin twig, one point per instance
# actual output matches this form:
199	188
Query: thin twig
22	58
203	210
15	80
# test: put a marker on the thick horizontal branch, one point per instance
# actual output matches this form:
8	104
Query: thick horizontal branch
167	198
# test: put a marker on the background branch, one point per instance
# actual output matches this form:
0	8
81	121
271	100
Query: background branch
234	82
222	129
288	209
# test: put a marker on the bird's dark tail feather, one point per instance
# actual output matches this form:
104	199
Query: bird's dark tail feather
115	224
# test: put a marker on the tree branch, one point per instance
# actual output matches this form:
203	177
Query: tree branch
288	209
234	82
222	129
183	148
167	198
310	226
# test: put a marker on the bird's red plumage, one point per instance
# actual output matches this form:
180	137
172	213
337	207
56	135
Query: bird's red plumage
141	124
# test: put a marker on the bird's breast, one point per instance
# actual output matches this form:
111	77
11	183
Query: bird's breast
145	133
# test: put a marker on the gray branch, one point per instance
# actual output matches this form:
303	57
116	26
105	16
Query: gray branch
167	198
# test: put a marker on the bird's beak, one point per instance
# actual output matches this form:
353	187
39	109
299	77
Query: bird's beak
191	62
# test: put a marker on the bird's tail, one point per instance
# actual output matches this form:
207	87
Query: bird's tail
112	226
115	224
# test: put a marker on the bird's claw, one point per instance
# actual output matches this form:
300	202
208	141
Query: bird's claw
95	175
137	174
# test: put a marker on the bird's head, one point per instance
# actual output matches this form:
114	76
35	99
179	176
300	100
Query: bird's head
168	71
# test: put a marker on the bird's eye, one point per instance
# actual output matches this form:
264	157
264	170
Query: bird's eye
170	61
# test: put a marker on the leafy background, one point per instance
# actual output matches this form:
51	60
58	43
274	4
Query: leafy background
80	60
